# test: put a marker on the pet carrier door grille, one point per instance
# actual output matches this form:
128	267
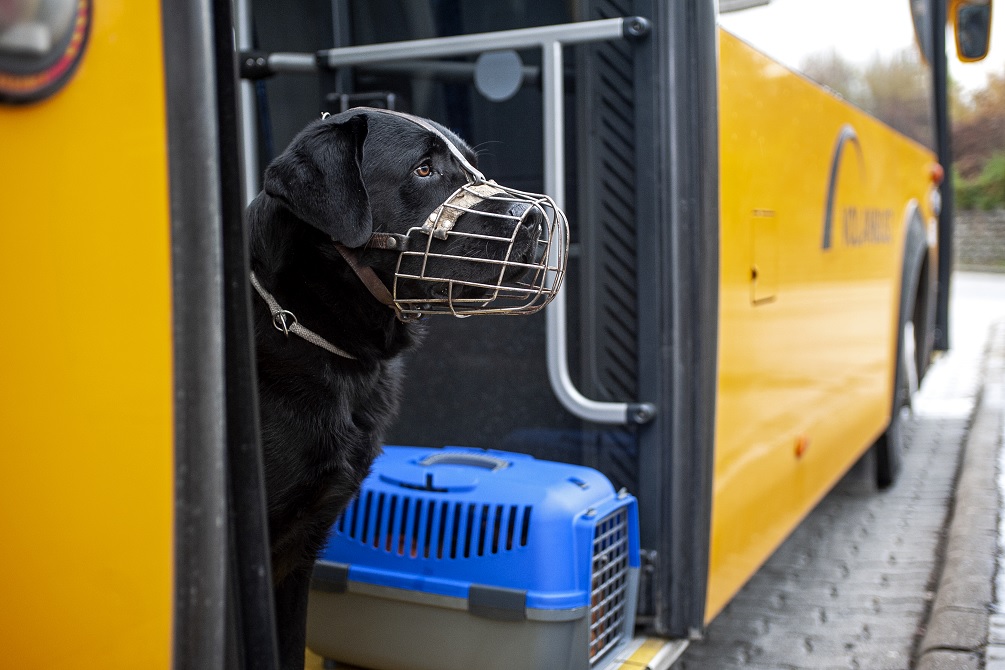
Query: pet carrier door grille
609	587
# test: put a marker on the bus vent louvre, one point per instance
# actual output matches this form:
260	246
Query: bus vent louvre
607	177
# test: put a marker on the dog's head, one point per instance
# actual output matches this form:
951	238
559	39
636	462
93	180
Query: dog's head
365	172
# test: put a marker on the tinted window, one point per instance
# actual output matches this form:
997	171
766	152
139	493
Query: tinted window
866	51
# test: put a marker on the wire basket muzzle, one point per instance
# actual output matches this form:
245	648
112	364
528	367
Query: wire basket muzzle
488	249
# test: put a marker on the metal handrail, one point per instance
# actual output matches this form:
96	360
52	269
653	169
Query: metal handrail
550	40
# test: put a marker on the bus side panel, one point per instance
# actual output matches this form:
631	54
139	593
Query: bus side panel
86	485
808	310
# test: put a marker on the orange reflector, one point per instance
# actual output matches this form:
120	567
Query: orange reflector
936	173
802	444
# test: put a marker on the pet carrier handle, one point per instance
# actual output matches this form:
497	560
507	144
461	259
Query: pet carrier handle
550	40
474	460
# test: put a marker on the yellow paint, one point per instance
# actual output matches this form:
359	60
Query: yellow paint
644	655
815	361
85	361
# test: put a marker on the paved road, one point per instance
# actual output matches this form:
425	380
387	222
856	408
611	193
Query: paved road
853	586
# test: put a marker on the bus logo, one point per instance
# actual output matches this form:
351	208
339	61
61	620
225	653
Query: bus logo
860	225
846	135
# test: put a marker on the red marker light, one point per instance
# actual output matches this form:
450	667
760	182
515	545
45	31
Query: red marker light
936	173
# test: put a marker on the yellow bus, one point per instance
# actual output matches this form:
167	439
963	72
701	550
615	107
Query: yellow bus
758	279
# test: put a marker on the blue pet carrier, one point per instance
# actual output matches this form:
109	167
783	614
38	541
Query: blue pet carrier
462	558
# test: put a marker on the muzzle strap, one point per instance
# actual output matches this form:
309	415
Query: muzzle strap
369	279
443	218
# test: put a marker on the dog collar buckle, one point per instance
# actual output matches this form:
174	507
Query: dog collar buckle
286	323
279	320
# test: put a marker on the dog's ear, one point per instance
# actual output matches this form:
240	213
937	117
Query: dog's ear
319	179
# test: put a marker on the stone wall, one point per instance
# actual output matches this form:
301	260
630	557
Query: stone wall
980	241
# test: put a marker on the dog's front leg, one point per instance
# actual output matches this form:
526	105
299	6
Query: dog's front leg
291	618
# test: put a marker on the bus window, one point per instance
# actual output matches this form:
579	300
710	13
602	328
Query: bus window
870	53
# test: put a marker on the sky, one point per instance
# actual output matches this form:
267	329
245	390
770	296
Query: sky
789	30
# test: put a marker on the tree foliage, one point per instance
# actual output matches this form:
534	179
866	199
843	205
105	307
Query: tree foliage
979	146
979	127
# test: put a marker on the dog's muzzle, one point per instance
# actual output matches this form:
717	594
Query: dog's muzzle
516	260
514	264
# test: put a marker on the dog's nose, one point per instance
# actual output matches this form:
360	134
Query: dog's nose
520	210
531	218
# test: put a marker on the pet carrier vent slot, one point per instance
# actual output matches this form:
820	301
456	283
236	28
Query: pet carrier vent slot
366	515
496	526
458	535
467	532
511	527
377	527
389	535
421	528
416	523
402	526
609	594
442	530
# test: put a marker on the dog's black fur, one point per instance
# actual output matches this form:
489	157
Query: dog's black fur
323	416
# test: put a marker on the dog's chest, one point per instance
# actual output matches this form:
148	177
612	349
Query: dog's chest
320	435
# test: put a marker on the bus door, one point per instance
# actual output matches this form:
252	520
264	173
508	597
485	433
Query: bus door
622	378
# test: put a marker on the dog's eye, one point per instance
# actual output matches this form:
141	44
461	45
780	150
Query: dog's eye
424	170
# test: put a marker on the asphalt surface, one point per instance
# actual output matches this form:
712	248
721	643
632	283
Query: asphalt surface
902	578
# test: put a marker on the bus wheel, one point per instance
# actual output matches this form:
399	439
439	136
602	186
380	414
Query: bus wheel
889	447
909	359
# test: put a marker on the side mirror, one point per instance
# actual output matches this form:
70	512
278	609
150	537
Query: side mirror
972	26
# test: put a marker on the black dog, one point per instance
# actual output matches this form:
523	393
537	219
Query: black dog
323	415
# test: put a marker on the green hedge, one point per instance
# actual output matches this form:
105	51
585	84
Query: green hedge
986	190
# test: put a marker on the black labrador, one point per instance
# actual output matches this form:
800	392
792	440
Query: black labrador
323	414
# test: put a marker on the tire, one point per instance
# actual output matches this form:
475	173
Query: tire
915	316
909	359
889	448
889	454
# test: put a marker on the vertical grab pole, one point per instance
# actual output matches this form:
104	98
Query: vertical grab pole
554	128
553	111
249	139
